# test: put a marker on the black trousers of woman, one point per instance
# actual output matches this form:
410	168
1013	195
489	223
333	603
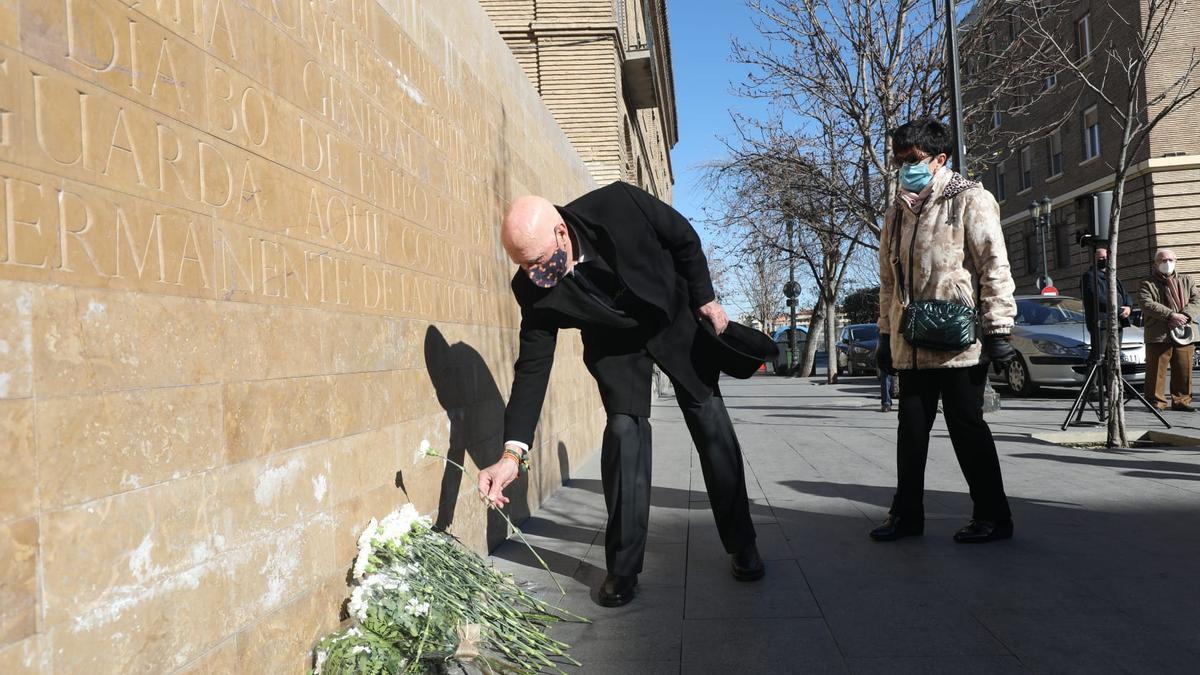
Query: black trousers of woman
961	393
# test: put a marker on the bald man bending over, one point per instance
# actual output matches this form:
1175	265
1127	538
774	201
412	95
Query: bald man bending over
628	271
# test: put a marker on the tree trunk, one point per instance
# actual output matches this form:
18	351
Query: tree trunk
808	358
1117	433
831	376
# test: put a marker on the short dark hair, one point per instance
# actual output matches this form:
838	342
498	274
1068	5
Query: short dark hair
927	134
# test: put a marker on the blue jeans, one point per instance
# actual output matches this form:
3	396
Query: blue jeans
885	388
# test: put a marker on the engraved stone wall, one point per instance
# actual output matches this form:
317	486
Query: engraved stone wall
248	261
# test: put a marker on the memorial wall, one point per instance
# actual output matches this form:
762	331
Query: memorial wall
249	260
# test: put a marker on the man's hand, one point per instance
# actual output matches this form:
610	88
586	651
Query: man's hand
1125	310
1176	319
715	314
495	478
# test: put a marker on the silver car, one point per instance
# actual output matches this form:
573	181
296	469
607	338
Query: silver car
1052	339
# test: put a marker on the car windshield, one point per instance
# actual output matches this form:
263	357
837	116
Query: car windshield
1049	311
864	333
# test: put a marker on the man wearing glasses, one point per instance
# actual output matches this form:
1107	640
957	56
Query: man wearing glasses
628	272
1170	302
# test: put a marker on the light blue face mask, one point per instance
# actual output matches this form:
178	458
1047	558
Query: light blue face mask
914	176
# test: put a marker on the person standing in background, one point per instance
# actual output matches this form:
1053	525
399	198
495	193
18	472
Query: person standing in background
1170	302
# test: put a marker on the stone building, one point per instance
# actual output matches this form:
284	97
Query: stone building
1162	201
249	261
603	67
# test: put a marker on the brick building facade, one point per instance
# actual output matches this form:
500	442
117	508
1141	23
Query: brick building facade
603	67
1162	198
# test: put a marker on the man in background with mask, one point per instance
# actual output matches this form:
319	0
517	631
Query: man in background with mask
628	272
1095	282
1170	302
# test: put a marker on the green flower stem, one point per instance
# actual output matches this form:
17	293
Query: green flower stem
520	534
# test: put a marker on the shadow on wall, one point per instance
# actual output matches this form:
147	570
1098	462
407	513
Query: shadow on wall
468	393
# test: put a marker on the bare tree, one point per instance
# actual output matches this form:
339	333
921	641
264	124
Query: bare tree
1115	76
759	281
839	74
1006	76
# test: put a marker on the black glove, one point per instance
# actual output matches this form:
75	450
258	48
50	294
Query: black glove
883	355
999	351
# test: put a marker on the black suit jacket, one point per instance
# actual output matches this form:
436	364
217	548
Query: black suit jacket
657	257
1098	278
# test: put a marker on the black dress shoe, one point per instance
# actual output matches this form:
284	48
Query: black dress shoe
983	531
896	527
617	590
747	564
1183	408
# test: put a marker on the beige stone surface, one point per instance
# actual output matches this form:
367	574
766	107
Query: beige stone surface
18	471
109	443
248	263
29	656
18	580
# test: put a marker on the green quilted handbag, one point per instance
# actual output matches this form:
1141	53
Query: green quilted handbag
941	325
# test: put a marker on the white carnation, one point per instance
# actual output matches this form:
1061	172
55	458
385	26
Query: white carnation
398	523
368	534
360	649
416	607
321	657
358	604
364	557
424	450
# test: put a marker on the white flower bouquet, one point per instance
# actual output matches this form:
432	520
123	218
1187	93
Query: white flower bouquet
424	603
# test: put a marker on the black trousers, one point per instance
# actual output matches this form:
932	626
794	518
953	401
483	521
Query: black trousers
625	461
961	392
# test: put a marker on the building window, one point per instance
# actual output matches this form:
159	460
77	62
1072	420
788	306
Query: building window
1026	173
995	119
1054	152
1051	81
1083	36
1062	240
1091	133
1014	28
1001	192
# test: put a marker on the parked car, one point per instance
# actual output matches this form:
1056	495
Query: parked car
785	361
856	348
1052	343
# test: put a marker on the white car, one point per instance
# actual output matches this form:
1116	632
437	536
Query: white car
1051	337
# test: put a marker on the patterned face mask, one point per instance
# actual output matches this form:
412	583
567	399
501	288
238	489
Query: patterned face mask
549	272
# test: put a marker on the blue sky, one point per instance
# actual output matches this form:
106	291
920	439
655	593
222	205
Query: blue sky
701	31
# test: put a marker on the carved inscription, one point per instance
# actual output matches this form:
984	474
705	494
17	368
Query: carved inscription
152	145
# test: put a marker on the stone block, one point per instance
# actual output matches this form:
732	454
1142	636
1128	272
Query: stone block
30	656
18	484
220	660
18	580
282	642
267	416
16	338
88	341
116	442
361	463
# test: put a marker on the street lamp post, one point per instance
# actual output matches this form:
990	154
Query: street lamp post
1040	212
955	93
991	400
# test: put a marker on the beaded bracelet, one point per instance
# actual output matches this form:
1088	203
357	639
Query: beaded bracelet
522	463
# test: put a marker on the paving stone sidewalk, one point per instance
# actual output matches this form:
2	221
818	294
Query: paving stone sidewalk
1102	576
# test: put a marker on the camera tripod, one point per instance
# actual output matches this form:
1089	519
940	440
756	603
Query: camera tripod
1097	368
1095	373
